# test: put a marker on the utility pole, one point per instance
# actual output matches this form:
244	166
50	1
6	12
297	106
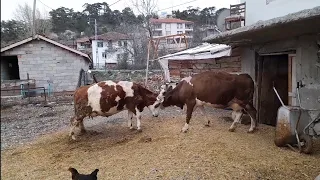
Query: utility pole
95	38
34	19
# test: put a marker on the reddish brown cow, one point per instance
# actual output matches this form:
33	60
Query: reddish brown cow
216	89
107	98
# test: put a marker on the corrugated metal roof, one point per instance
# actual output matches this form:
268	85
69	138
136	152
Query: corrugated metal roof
205	47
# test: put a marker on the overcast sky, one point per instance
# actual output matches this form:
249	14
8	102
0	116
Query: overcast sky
9	6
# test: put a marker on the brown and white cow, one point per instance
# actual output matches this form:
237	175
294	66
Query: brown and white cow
215	89
107	98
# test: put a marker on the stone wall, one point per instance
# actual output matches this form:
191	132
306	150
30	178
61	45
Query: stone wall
182	68
47	63
155	77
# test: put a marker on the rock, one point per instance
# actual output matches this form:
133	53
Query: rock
145	139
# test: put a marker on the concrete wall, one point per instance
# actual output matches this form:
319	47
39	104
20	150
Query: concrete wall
259	9
111	56
46	62
306	69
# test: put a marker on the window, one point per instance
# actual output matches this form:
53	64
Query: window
188	26
179	32
104	55
157	26
100	44
168	33
119	43
125	43
179	26
168	26
82	44
110	44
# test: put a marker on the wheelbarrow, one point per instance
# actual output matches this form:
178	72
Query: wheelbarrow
297	126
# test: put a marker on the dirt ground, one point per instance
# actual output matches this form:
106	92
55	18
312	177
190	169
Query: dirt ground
160	151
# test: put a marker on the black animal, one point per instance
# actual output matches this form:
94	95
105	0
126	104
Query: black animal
77	176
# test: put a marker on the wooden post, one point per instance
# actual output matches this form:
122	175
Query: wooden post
147	69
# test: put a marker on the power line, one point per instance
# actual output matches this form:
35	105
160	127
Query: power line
176	5
114	3
45	5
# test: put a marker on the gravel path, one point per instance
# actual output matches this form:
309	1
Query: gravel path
23	124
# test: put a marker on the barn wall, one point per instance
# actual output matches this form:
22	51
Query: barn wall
182	68
46	62
306	58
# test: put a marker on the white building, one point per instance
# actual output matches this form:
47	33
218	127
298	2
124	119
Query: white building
172	26
267	9
109	49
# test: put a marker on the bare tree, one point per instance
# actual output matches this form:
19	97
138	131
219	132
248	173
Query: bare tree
146	8
42	22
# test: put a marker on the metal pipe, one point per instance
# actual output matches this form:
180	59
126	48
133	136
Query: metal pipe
278	96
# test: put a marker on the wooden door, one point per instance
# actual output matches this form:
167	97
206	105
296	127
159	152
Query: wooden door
274	71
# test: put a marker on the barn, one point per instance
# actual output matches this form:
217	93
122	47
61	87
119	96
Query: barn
206	57
41	62
281	52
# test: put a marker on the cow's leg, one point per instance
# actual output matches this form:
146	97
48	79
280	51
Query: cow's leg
138	116
130	116
75	122
252	113
82	129
190	107
203	112
238	115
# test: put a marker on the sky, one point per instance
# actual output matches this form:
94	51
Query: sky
8	7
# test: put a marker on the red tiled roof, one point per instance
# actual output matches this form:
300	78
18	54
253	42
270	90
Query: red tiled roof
111	36
169	20
83	39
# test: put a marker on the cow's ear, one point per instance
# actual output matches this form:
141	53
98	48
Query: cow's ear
95	172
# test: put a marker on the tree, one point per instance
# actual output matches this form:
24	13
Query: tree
64	19
11	31
42	22
147	9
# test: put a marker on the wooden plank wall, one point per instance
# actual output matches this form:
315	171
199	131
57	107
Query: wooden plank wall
182	68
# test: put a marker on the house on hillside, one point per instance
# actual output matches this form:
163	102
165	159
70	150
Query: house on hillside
42	62
111	48
279	50
169	27
84	45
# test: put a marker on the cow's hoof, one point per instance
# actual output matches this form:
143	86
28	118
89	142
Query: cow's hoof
139	130
232	129
73	137
131	128
250	131
184	130
83	131
207	125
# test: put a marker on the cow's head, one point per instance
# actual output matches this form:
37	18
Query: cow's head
166	93
154	108
77	176
152	102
